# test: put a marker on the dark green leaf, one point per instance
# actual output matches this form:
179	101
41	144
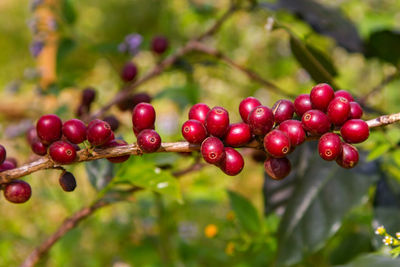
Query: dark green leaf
246	213
183	96
373	260
68	11
100	172
66	45
384	45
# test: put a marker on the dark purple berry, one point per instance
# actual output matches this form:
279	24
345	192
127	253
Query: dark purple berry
67	181
17	191
277	144
294	130
49	128
75	131
98	133
338	110
321	95
199	112
149	140
194	131
31	135
213	150
129	72
62	152
130	102
3	154
246	106
13	161
38	147
159	44
261	120
217	121
232	164
348	158
88	96
112	121
277	168
7	165
315	122
356	111
355	131
329	146
143	117
302	104
283	110
238	134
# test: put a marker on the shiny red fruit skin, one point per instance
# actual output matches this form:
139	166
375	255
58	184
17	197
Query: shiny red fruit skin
294	130
329	146
277	168
246	106
159	44
143	117
302	104
17	191
13	161
283	110
3	154
277	144
217	121
348	158
338	110
232	164
75	131
212	150
356	111
7	165
355	131
38	147
67	182
149	140
49	128
194	131
199	112
62	152
315	122
345	94
98	133
321	95
238	134
115	143
129	72
261	120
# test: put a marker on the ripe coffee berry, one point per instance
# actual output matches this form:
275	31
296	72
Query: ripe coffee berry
345	94
348	158
321	95
3	154
88	96
149	140
112	121
143	117
294	130
283	110
98	133
7	165
49	128
17	191
115	143
277	168
232	164
13	161
212	150
129	102
199	112
67	181
355	131
217	121
159	44
238	134
261	120
338	110
194	131
62	152
329	146
356	111
246	106
302	104
39	148
315	122
31	135
277	144
129	72
75	131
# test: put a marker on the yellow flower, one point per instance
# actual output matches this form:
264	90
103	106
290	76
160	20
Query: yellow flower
387	240
398	235
380	230
230	248
211	230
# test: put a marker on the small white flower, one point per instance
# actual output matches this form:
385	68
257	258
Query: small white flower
380	230
387	240
398	235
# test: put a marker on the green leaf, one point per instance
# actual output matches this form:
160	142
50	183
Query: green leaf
372	260
100	172
68	11
378	151
183	96
384	45
320	201
142	173
66	45
246	213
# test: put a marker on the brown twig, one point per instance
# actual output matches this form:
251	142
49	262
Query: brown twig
383	120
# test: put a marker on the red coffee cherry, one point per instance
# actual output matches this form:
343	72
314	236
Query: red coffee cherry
238	134
348	158
75	131
199	112
345	94
88	96
143	117
49	128
277	168
13	161
261	120
315	122
246	106
7	165
129	72
212	150
31	135
149	140
321	95
338	110
17	191
194	131
115	143
67	181
283	110
329	146
159	44
356	111
294	130
277	144
355	131
38	147
232	164
217	121
130	102
98	133
62	152
302	104
3	154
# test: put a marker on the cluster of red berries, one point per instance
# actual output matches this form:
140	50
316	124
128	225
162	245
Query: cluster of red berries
321	112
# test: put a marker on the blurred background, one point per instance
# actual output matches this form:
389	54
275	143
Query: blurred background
320	215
